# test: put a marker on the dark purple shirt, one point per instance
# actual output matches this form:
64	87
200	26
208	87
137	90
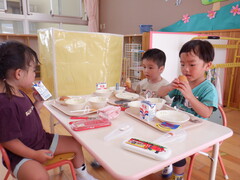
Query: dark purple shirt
19	119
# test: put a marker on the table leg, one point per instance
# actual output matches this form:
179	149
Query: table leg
52	123
214	162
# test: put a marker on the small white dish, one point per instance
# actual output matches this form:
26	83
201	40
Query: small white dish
127	96
98	102
172	116
103	92
158	101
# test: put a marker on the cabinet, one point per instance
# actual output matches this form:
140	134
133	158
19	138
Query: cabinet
134	47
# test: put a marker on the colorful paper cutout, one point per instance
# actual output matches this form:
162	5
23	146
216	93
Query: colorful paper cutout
185	18
200	22
235	10
206	2
211	14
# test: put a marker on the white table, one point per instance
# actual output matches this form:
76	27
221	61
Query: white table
123	164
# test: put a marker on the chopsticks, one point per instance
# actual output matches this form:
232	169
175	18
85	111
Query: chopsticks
83	117
83	110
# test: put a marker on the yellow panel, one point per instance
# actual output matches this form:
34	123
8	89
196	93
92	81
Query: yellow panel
79	60
46	59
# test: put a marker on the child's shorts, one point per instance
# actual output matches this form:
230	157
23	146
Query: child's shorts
52	148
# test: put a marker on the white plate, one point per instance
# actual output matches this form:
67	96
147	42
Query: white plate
172	116
66	110
127	96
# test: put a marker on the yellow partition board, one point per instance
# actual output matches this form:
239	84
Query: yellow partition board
73	62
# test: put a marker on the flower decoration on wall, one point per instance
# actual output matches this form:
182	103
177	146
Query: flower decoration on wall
185	18
235	10
211	14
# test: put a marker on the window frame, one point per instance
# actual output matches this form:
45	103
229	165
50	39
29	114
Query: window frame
26	17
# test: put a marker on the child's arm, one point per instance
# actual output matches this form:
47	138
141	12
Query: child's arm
200	108
17	147
164	90
38	101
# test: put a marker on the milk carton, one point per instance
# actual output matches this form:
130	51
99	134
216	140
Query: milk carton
147	111
42	90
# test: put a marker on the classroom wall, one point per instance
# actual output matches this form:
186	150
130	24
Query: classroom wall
125	16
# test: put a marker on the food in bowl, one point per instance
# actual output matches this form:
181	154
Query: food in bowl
103	92
76	103
158	101
64	98
134	104
61	100
98	102
120	90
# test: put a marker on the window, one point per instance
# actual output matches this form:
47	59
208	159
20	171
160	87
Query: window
27	16
3	5
34	26
14	7
11	27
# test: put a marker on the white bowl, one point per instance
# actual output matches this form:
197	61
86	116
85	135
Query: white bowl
135	104
172	116
120	90
76	103
98	102
158	101
103	92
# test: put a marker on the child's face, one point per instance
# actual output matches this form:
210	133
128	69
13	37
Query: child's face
29	75
151	69
193	67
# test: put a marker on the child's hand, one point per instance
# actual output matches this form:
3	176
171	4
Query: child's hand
128	89
37	96
175	84
43	155
185	89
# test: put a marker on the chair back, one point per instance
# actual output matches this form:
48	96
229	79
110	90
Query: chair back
219	116
6	161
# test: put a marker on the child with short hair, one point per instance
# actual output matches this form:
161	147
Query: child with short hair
22	134
153	62
196	95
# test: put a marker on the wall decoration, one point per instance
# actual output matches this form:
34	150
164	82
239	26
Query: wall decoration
177	3
211	14
223	19
235	10
206	2
185	18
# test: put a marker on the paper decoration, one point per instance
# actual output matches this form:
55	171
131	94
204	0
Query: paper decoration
206	2
211	14
185	18
235	10
178	2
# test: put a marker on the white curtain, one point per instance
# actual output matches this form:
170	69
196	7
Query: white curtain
92	9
